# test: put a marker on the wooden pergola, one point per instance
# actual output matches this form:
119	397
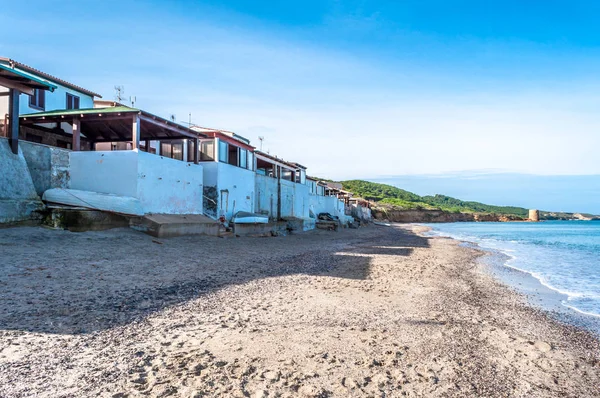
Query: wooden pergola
18	83
115	124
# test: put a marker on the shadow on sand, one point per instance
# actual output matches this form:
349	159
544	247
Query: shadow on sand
74	283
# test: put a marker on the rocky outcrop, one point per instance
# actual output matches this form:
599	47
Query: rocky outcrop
395	214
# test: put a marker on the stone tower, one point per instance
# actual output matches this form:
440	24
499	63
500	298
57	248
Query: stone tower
534	215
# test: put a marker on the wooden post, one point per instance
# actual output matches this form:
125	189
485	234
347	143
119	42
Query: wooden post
196	149
135	132
76	145
13	121
147	144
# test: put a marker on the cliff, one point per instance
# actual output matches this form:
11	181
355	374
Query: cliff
395	214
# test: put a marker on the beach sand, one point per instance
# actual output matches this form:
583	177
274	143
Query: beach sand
374	312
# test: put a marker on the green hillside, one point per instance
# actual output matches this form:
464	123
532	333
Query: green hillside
391	195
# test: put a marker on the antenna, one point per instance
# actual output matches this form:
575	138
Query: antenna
119	91
132	100
173	118
261	139
189	122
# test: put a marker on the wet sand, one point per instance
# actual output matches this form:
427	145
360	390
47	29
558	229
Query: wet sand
374	312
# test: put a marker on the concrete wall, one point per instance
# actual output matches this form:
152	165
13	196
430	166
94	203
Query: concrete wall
210	171
266	195
162	185
169	186
18	197
235	188
48	166
327	204
114	172
295	200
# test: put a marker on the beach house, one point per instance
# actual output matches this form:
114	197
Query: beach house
78	150
58	94
228	164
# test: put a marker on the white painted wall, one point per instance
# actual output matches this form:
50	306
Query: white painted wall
266	195
162	185
294	200
239	184
3	104
112	172
169	186
211	173
56	100
327	204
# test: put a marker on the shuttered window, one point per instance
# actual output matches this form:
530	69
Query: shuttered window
38	99
72	101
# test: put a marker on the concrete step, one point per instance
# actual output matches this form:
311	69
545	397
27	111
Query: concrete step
170	225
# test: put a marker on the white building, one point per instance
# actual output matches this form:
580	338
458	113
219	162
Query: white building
228	164
65	95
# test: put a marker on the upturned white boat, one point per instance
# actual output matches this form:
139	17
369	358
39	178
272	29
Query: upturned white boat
245	217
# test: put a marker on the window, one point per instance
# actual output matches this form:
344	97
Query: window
207	150
223	151
300	176
243	158
38	99
250	161
287	174
177	151
172	150
72	101
233	156
165	149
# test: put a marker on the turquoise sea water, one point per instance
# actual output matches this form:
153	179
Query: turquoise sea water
562	255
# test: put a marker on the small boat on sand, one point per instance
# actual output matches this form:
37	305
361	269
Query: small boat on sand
245	217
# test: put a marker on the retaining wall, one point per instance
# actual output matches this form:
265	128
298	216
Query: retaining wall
162	185
19	201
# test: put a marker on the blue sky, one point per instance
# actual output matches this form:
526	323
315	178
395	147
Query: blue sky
352	89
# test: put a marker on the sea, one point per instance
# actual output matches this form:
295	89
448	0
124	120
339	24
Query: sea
563	256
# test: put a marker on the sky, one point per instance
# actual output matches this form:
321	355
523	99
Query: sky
352	89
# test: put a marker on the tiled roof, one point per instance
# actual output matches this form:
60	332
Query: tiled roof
37	72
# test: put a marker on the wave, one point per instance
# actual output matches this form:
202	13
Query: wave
515	261
581	311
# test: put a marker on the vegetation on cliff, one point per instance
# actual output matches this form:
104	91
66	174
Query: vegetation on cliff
383	193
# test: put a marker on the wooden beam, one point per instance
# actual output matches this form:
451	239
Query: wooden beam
169	126
135	132
13	121
16	86
196	149
85	117
76	134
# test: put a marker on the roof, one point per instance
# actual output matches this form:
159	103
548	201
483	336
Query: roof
293	166
107	103
14	64
231	134
86	111
299	165
19	78
114	123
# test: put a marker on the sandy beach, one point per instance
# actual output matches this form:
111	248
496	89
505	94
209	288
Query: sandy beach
373	312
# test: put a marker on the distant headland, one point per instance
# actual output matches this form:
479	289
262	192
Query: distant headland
398	205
